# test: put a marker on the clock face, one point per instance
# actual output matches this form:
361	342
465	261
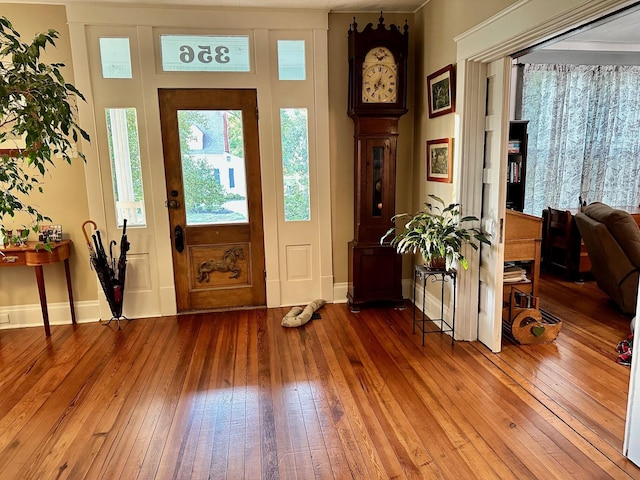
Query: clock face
379	83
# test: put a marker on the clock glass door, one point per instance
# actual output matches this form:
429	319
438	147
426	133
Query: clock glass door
377	170
214	197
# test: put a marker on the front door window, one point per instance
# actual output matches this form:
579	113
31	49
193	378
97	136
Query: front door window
213	170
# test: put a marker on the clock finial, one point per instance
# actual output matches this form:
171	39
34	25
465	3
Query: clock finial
381	19
353	27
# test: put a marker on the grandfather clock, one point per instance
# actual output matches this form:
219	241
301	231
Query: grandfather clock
377	100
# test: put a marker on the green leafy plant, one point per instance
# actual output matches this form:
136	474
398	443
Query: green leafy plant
38	114
437	232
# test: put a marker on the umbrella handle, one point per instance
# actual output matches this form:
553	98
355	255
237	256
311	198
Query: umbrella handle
95	227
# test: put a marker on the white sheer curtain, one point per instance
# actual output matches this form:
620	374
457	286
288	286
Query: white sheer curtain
584	135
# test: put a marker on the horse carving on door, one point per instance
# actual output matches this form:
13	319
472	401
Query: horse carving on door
228	263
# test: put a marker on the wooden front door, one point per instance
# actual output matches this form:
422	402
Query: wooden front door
214	198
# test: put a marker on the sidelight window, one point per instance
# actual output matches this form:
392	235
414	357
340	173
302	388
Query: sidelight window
126	171
295	163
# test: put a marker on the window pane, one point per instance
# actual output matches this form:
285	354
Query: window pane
291	60
205	53
126	171
295	163
115	57
213	173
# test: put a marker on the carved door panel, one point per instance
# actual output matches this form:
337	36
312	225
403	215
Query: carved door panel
214	199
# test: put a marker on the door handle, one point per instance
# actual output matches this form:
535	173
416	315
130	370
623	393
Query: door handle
172	204
178	237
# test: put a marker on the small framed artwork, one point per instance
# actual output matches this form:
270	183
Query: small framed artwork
50	233
441	91
440	160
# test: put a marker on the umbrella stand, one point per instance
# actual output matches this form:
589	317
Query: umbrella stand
111	274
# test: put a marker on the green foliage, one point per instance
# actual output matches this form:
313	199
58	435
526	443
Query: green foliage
236	139
203	191
437	232
134	154
37	105
295	163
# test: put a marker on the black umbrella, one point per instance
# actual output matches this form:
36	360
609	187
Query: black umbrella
111	275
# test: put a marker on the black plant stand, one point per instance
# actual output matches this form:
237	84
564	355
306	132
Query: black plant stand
422	274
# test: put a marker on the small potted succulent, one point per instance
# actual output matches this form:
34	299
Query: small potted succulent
438	234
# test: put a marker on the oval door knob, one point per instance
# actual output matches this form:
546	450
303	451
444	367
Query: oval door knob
172	204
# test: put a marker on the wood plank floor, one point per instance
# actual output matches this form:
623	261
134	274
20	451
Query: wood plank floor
235	395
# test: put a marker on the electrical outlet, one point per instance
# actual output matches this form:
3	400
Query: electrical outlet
4	318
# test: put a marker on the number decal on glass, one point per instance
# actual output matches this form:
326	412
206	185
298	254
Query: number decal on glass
222	56
204	55
187	55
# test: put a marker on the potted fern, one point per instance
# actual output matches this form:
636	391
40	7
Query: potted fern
438	233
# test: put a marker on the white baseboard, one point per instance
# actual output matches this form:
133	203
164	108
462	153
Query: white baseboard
89	311
59	314
340	291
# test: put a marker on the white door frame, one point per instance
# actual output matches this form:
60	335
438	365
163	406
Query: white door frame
525	23
311	246
631	446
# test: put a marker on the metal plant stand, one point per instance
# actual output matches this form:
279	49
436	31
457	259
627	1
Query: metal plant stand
422	274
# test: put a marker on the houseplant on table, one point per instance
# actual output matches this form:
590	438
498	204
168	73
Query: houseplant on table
438	233
37	120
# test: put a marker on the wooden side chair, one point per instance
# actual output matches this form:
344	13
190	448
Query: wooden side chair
558	241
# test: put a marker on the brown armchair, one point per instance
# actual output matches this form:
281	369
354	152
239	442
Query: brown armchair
612	238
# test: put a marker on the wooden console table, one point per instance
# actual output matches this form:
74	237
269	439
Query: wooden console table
30	256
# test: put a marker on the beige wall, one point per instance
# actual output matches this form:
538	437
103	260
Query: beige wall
65	196
431	32
437	24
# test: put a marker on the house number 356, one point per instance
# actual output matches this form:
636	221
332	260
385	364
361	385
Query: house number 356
204	54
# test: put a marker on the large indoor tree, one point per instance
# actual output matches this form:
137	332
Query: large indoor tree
37	120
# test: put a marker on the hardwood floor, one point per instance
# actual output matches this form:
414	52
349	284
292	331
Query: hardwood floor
235	395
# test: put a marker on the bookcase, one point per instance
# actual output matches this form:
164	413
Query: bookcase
516	164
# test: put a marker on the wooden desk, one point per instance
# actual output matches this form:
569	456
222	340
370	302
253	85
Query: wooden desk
29	256
522	241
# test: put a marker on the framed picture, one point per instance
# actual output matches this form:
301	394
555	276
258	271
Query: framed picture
440	160
50	233
441	91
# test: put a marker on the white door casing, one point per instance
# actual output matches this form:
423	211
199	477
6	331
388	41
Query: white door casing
493	204
523	24
151	245
631	447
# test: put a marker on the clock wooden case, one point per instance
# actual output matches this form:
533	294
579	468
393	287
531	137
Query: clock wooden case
377	100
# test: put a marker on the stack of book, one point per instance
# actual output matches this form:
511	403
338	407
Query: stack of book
514	273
